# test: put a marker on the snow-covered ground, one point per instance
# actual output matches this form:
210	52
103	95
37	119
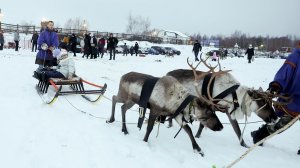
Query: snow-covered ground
36	135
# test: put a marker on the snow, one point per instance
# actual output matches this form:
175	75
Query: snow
37	135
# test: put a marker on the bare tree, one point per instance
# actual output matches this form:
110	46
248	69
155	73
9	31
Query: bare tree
138	25
76	25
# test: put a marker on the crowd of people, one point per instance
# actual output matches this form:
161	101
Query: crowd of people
90	45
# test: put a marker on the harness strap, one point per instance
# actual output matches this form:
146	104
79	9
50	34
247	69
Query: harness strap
186	101
226	92
144	98
222	95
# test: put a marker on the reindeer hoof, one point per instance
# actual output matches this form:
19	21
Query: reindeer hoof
110	121
243	144
197	136
199	151
125	131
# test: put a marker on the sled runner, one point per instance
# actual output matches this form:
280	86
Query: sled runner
76	85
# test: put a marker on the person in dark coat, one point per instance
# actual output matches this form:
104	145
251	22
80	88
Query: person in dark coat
136	48
1	40
112	42
73	42
286	83
34	40
131	50
250	53
196	48
101	45
93	47
87	45
47	42
225	53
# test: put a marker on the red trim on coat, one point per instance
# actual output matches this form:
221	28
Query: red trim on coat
290	63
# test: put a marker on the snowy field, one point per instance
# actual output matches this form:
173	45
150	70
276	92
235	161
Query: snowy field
36	135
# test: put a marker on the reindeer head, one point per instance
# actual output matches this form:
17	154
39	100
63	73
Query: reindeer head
205	113
264	103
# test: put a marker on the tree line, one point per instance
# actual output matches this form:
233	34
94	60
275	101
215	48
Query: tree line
264	43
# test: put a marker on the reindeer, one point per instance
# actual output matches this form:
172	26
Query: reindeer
246	101
166	98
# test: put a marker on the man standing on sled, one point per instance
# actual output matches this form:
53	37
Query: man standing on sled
286	83
47	42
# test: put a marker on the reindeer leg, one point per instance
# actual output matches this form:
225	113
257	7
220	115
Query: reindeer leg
237	130
115	99
194	143
201	126
170	124
150	126
124	108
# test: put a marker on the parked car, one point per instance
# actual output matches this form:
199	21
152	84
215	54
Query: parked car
177	52
161	50
210	53
119	49
153	51
143	50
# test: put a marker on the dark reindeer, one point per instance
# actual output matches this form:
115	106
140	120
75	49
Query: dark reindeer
167	95
247	100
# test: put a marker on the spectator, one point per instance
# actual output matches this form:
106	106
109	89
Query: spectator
17	39
34	40
1	40
196	48
225	53
136	48
73	42
112	42
125	49
93	47
286	83
47	42
101	44
87	45
250	53
131	50
214	56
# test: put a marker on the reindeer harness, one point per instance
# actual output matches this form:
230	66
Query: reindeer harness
144	98
231	90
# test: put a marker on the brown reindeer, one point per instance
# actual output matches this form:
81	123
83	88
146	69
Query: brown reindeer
167	96
247	100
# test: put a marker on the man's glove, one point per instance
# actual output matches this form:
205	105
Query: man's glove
274	88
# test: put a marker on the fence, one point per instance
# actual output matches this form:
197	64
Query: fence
9	28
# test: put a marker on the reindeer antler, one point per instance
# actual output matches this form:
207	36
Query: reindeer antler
201	76
214	74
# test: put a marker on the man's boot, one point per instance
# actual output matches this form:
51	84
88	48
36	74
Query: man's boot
260	134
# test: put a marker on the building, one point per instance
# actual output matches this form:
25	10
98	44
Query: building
173	37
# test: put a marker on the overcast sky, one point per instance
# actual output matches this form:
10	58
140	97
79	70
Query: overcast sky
211	17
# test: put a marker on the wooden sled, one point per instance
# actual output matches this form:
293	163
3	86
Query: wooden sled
76	85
